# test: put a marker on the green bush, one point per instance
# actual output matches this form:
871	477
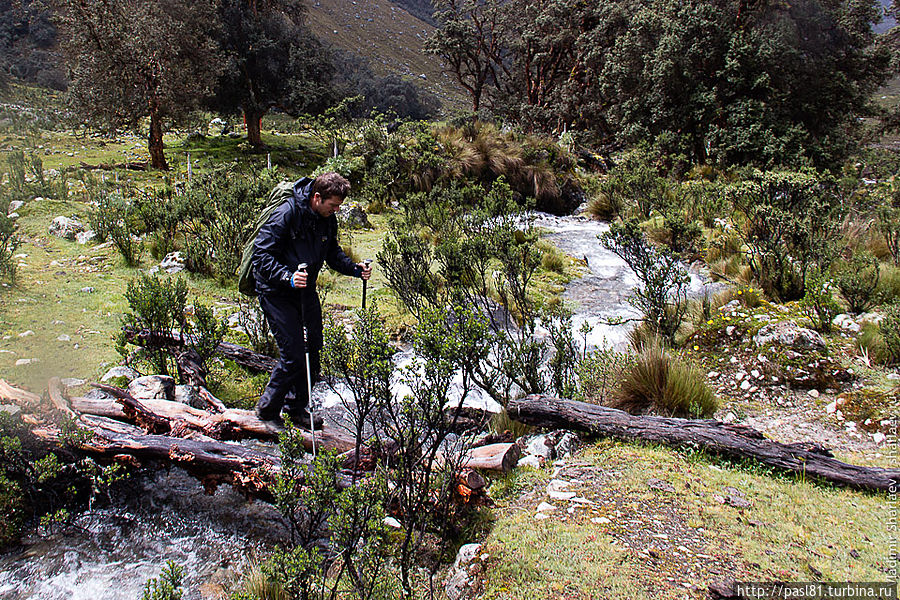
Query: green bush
857	280
871	343
888	285
552	259
116	219
157	306
633	186
658	382
890	333
9	242
789	222
818	304
167	586
662	295
599	373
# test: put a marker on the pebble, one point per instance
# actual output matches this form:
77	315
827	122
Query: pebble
813	393
545	507
26	361
541	516
712	374
392	522
26	333
745	385
87	290
600	521
64	338
878	437
755	374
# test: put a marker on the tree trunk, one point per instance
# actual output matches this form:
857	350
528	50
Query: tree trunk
733	441
253	120
155	142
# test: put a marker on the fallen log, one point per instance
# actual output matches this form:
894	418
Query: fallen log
724	439
128	166
21	398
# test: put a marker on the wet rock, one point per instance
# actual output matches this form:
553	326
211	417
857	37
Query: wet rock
120	371
65	227
153	387
790	335
460	578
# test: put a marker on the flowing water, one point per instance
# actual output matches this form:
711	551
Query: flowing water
168	516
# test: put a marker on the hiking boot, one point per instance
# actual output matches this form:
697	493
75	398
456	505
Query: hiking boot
270	417
300	418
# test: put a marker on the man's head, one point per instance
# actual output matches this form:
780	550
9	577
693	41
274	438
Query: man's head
327	193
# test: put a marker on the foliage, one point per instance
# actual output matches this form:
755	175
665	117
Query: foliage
888	224
167	586
252	321
818	302
207	333
130	60
9	242
157	306
633	187
890	333
661	383
663	290
788	223
599	372
857	279
115	218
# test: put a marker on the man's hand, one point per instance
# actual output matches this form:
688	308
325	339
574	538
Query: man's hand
366	269
299	279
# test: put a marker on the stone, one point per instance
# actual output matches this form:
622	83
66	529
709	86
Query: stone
745	385
87	290
459	578
217	126
10	409
392	522
27	333
72	382
545	507
120	371
659	484
83	237
25	361
541	446
12	216
729	418
730	307
790	335
95	394
813	393
600	521
530	460
65	227
14	206
172	263
878	437
567	444
893	376
353	215
846	322
541	516
557	490
64	338
188	394
153	387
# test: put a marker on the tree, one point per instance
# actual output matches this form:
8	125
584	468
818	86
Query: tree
129	60
273	61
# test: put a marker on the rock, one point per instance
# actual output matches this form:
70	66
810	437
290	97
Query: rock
87	290
95	394
188	394
153	387
217	126
846	322
659	484
556	490
28	333
600	521
567	444
729	418
172	263
545	507
72	382
459	579
535	462
392	522
83	237
353	215
813	393
540	445
25	361
870	317
14	206
66	228
12	216
116	372
878	437
745	385
541	516
10	409
730	307
893	376
791	335
64	338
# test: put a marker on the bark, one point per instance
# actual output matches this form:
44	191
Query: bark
733	441
253	119
155	141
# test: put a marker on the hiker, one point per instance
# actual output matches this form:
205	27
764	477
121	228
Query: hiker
303	229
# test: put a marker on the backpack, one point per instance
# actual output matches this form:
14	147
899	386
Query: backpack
282	192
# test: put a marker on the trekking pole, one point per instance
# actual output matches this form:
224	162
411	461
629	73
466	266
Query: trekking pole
366	262
309	402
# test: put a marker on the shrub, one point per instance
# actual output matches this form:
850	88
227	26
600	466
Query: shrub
660	383
871	344
252	321
662	295
888	223
167	586
117	219
599	373
9	242
890	333
818	304
888	285
157	306
857	280
789	222
207	332
551	258
633	187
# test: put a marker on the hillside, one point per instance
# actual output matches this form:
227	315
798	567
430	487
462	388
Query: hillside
388	36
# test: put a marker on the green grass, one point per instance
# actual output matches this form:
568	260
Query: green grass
659	544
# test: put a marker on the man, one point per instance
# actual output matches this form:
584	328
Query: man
301	230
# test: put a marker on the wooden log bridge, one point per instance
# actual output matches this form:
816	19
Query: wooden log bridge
724	439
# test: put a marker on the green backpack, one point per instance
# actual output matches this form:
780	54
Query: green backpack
283	191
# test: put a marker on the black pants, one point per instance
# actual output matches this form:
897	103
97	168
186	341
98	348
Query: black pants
283	312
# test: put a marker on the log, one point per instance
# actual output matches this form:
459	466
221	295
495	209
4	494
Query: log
21	398
493	457
55	391
724	439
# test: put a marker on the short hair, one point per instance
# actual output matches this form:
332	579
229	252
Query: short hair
330	184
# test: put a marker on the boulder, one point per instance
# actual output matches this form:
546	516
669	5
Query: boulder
790	335
459	580
153	387
66	228
190	395
83	237
120	371
353	215
172	263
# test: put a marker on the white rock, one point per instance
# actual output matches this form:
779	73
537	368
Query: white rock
83	237
791	335
893	376
878	437
600	521
72	382
28	333
66	228
120	371
729	330
712	374
545	507
530	460
561	495
14	206
755	374
153	387
64	338
173	262
541	516
729	418
541	446
25	361
739	375
745	385
813	393
831	407
12	216
392	522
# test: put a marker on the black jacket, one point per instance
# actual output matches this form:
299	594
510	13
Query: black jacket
295	234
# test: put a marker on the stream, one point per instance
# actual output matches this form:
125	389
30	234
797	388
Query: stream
168	517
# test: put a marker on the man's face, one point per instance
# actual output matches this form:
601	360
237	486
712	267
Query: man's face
325	207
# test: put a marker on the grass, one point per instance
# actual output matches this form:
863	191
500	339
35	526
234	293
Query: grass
650	543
